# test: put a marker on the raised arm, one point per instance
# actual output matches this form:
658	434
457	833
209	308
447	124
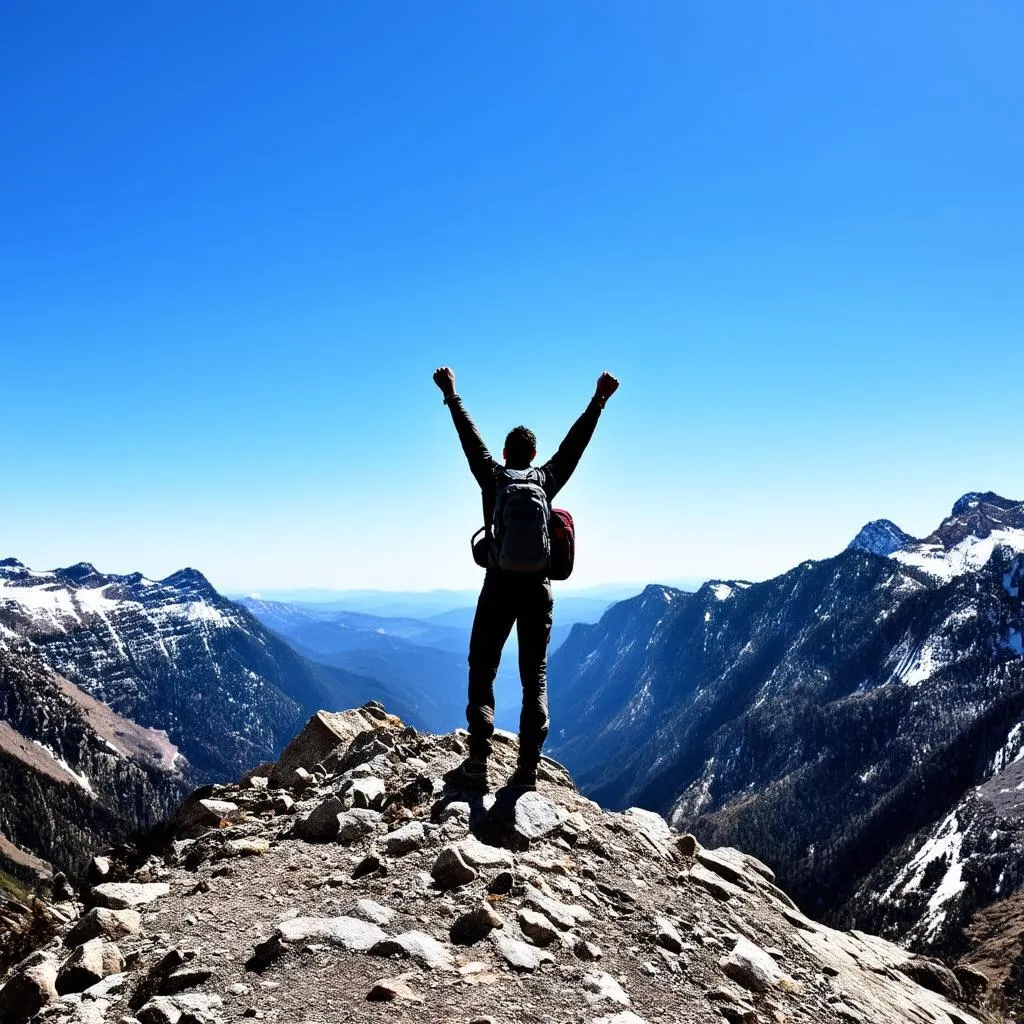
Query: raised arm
563	463
481	463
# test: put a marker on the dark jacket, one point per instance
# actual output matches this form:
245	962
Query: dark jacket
554	473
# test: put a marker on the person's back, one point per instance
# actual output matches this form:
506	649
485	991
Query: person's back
517	590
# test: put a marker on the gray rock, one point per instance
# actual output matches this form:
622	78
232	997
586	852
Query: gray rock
160	1010
356	824
666	936
451	870
125	895
29	990
564	915
751	967
103	923
714	883
587	950
535	816
405	839
398	989
374	912
480	855
601	986
247	847
368	793
418	946
283	804
537	928
624	1017
345	932
520	955
321	824
475	925
88	964
99	869
208	813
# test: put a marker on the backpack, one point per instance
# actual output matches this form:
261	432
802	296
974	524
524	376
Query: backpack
525	526
520	530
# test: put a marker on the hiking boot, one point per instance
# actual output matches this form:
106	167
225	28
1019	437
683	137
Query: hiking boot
523	778
472	774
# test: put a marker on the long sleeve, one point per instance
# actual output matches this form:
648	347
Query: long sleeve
563	463
481	462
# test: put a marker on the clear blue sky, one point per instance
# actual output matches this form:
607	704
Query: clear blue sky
238	237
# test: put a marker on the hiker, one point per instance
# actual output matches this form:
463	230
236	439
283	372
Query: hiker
522	594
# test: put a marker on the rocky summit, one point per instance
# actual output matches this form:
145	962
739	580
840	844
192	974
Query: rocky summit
354	880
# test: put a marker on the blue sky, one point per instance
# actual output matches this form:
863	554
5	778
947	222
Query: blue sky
239	238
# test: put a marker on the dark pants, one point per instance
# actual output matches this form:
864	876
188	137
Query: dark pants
506	599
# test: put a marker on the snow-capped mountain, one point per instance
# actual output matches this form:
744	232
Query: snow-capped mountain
174	655
881	537
850	722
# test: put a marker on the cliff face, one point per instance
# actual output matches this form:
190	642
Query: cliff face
74	776
357	880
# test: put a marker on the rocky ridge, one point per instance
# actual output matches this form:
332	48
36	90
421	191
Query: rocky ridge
354	879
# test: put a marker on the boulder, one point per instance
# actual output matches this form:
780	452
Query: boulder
89	964
103	923
751	967
405	840
324	733
321	824
356	824
30	988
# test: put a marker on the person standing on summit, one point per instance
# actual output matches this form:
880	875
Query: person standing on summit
517	586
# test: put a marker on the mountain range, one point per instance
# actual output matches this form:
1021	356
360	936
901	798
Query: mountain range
855	722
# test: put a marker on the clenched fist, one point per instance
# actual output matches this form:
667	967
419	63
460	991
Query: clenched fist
606	385
445	380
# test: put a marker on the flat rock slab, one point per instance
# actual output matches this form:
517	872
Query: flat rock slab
520	955
345	932
537	928
125	895
418	946
712	882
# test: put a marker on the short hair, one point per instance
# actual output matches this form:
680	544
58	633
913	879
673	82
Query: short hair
520	447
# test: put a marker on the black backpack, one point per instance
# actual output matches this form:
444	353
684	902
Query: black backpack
519	539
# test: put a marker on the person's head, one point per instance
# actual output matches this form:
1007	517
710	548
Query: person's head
520	448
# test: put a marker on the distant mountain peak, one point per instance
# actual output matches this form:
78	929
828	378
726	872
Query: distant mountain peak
975	499
189	579
11	563
880	537
80	572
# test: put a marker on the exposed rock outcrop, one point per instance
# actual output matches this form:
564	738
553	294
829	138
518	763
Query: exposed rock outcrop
598	917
